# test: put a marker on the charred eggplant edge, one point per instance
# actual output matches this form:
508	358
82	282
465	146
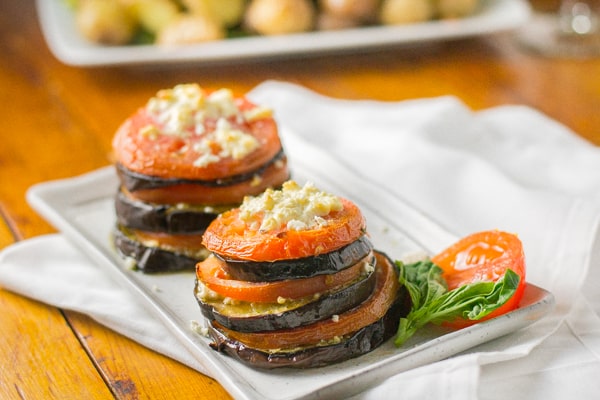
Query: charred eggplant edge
151	259
133	181
166	218
361	342
298	268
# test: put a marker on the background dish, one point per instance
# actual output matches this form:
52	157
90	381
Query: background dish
68	46
82	208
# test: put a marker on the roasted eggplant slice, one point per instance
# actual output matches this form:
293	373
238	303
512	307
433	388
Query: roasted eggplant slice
294	315
355	332
360	342
133	181
165	218
299	268
152	259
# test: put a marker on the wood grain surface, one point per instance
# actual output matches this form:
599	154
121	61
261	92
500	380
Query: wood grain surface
57	121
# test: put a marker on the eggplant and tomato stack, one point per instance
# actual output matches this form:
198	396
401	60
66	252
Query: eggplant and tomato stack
293	281
186	156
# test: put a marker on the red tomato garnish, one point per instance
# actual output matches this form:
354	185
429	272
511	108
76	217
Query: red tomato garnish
480	257
230	237
370	311
211	272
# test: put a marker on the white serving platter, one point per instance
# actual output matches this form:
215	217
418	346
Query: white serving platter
82	208
71	48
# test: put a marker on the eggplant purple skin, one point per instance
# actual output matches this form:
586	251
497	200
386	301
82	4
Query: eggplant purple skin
133	181
136	214
362	342
298	268
151	259
325	307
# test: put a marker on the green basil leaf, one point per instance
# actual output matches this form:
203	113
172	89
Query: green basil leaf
423	280
433	303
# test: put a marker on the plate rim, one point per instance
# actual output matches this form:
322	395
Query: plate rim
70	48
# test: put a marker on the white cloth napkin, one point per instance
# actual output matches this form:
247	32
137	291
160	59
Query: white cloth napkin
508	167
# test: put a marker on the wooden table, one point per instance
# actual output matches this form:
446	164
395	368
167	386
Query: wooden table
58	121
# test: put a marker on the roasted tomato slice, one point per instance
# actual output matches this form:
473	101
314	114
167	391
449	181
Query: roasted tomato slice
483	256
231	237
170	156
370	311
211	272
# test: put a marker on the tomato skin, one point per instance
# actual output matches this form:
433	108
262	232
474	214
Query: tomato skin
370	311
211	273
483	256
169	156
230	237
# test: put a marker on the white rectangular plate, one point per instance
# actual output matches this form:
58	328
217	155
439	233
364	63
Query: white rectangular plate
82	208
70	47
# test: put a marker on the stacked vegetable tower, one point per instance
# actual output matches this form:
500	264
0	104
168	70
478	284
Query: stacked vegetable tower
182	159
293	280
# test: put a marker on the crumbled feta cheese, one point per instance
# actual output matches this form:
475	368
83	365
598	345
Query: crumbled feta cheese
196	327
232	143
175	108
294	207
206	158
230	301
220	103
335	318
256	180
368	267
183	110
206	294
130	263
279	164
257	113
149	131
333	340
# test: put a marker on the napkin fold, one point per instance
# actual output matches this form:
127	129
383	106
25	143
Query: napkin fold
509	168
